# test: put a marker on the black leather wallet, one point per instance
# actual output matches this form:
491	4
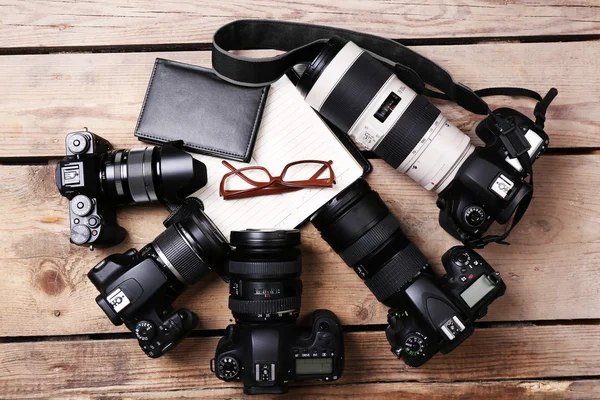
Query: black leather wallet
211	116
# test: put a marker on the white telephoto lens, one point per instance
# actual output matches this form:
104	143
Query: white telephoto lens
381	113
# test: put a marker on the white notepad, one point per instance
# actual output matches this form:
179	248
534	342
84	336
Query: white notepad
290	131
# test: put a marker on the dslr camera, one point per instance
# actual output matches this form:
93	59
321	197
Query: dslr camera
364	98
95	178
138	287
434	314
427	313
265	349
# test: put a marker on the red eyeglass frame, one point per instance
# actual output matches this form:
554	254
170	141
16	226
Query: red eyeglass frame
276	184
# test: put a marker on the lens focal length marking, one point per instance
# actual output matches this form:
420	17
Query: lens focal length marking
436	158
368	130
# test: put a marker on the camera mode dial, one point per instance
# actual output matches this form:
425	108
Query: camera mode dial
415	345
229	368
474	216
145	331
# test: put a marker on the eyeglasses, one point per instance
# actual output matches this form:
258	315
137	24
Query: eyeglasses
257	181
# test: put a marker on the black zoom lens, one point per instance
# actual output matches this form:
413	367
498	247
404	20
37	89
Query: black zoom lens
192	245
150	174
264	269
360	228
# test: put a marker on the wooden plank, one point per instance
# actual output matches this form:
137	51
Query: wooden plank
110	22
510	390
57	369
551	269
47	96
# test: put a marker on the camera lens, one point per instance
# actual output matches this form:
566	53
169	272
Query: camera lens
363	97
150	174
191	246
264	269
360	228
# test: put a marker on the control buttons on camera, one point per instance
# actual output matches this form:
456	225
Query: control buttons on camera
228	367
462	278
93	221
461	259
81	205
78	143
415	345
80	234
324	326
474	216
145	331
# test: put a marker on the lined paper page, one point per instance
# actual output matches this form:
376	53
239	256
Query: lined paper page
290	131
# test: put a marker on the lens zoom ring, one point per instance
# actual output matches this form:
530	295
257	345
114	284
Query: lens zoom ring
407	131
180	256
264	306
393	276
372	239
355	91
257	270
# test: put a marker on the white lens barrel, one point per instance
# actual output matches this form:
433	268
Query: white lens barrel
434	161
362	97
331	76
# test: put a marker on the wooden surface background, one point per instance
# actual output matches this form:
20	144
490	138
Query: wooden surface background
69	64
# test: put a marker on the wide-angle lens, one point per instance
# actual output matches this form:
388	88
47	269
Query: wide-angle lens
264	270
150	174
192	246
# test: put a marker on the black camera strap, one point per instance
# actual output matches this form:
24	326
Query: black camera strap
303	42
502	129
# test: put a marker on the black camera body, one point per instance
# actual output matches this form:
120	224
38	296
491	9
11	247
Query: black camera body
427	313
92	219
437	313
266	357
95	179
136	289
139	288
490	185
265	349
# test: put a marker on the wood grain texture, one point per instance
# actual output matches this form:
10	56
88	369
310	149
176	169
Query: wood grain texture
119	368
110	22
47	96
502	390
552	268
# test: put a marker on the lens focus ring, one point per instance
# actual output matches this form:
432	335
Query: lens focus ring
184	262
370	240
261	270
272	306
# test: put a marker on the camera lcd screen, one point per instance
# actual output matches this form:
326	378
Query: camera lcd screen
314	366
477	291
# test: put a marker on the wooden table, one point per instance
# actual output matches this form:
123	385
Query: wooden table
69	64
